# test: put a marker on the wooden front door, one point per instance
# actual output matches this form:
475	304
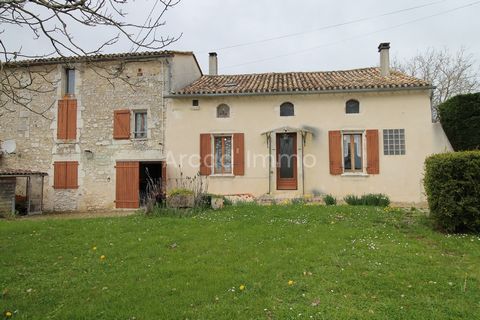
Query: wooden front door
127	184
286	161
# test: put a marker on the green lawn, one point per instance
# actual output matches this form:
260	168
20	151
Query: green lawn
345	263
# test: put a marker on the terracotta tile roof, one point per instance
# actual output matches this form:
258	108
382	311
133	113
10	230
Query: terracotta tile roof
98	57
20	172
301	82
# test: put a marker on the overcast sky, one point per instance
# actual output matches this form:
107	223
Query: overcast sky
212	25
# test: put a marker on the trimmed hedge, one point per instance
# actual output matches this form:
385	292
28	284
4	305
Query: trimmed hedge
460	118
452	184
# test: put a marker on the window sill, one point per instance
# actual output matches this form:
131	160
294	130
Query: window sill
355	174
220	175
139	139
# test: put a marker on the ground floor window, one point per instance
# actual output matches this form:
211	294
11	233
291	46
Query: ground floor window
352	152
222	154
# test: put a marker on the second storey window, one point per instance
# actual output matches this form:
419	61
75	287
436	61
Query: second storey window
352	152
69	81
352	106
223	111
287	109
222	154
140	125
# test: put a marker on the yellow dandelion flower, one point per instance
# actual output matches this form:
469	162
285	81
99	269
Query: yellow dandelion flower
242	287
8	314
94	248
102	257
291	282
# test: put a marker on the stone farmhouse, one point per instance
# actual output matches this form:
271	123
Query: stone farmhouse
102	133
272	135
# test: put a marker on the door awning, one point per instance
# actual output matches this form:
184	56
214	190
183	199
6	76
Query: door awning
286	129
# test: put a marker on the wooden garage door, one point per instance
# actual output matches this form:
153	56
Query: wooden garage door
127	185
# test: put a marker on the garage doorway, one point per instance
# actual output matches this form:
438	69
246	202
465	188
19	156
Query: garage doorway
134	180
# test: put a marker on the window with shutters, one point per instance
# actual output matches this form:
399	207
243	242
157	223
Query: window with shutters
352	152
140	131
67	119
222	151
65	175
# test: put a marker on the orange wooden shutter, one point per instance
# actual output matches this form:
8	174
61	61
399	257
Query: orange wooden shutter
238	154
127	185
205	154
71	130
59	174
373	163
335	151
164	176
62	119
121	124
71	169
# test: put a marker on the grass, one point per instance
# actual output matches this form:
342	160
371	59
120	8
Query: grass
344	262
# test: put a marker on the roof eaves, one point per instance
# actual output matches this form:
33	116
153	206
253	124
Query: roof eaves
342	89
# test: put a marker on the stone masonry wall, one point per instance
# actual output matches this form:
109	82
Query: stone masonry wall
98	95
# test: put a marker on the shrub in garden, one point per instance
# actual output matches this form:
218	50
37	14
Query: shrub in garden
460	118
452	184
329	200
371	199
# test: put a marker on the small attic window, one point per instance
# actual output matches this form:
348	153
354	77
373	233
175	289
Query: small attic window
230	84
287	109
352	106
223	111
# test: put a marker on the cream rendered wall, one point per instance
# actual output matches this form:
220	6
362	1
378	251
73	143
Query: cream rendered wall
400	175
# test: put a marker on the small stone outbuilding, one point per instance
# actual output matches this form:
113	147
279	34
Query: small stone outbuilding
21	190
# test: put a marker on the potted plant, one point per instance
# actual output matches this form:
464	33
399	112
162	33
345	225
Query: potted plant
180	198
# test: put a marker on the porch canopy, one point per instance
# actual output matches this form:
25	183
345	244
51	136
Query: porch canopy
22	190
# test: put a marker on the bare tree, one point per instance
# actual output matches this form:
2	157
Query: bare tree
57	24
451	73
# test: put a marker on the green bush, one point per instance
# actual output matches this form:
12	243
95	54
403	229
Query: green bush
460	118
371	199
180	192
329	200
452	184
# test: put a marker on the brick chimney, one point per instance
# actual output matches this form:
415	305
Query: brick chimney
212	64
384	49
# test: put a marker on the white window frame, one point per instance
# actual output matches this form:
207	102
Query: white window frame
135	132
219	135
362	171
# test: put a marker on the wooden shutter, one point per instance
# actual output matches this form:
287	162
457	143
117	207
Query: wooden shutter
121	124
335	152
65	175
59	174
164	176
205	154
62	118
67	119
71	130
127	184
71	169
373	163
238	154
